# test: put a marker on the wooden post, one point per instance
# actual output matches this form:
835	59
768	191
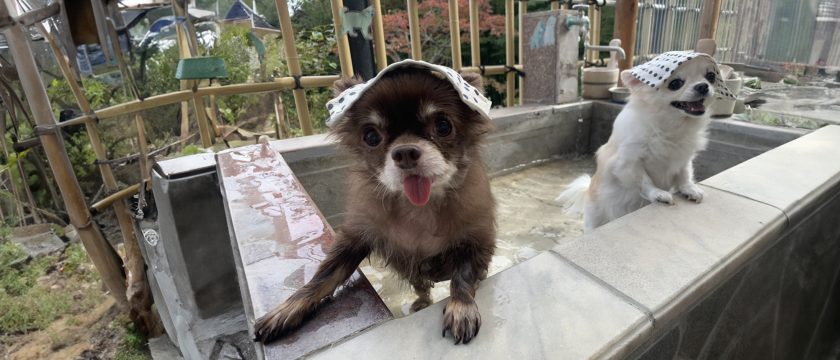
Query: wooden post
555	4
106	260
294	64
414	30
475	47
340	37
379	37
510	76
709	19
455	35
523	8
625	29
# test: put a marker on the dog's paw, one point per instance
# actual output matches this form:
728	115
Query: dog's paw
462	320
692	192
662	196
280	321
420	304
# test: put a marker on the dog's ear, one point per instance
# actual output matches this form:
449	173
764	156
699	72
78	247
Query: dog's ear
475	80
344	84
629	80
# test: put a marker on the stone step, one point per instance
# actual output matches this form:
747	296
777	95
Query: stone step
279	237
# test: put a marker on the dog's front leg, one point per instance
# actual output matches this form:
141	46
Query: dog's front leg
686	186
342	259
461	316
652	193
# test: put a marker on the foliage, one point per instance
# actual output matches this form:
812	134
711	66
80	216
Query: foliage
434	28
235	47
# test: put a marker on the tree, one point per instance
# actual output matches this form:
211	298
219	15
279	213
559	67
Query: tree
434	29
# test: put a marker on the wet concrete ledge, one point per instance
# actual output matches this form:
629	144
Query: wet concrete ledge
752	270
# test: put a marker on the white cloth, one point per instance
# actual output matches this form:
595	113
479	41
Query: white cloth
471	96
654	73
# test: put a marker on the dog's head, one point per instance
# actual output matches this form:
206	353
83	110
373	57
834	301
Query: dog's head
688	90
411	133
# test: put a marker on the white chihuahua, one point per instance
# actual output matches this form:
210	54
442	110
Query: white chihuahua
654	139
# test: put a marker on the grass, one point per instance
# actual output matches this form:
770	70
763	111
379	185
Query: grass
29	304
133	345
35	293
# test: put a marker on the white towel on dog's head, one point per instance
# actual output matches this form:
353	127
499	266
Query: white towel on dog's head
474	98
653	73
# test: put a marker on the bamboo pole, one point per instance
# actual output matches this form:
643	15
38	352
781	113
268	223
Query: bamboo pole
104	258
187	46
294	64
625	29
113	199
594	31
284	83
489	70
414	30
709	19
12	185
454	35
555	4
341	38
523	9
28	192
510	76
475	47
379	36
138	293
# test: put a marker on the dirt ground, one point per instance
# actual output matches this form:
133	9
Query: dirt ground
87	323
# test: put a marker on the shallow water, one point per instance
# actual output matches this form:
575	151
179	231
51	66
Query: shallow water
529	222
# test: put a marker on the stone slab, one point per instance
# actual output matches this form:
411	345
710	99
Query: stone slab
37	240
279	237
790	176
663	255
541	308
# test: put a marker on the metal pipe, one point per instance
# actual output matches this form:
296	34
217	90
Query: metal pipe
617	49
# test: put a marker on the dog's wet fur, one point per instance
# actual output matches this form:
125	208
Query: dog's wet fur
447	232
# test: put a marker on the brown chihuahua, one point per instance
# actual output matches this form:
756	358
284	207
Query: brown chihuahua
418	198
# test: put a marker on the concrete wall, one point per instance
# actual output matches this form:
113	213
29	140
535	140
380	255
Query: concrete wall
522	135
571	309
783	301
752	272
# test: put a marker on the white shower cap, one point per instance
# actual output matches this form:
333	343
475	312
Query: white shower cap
474	98
653	73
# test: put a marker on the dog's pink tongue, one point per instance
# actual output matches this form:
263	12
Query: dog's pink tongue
417	189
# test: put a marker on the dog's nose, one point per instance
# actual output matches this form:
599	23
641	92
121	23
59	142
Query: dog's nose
406	156
702	89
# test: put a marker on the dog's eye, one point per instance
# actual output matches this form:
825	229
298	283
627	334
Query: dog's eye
710	76
371	137
675	84
443	127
